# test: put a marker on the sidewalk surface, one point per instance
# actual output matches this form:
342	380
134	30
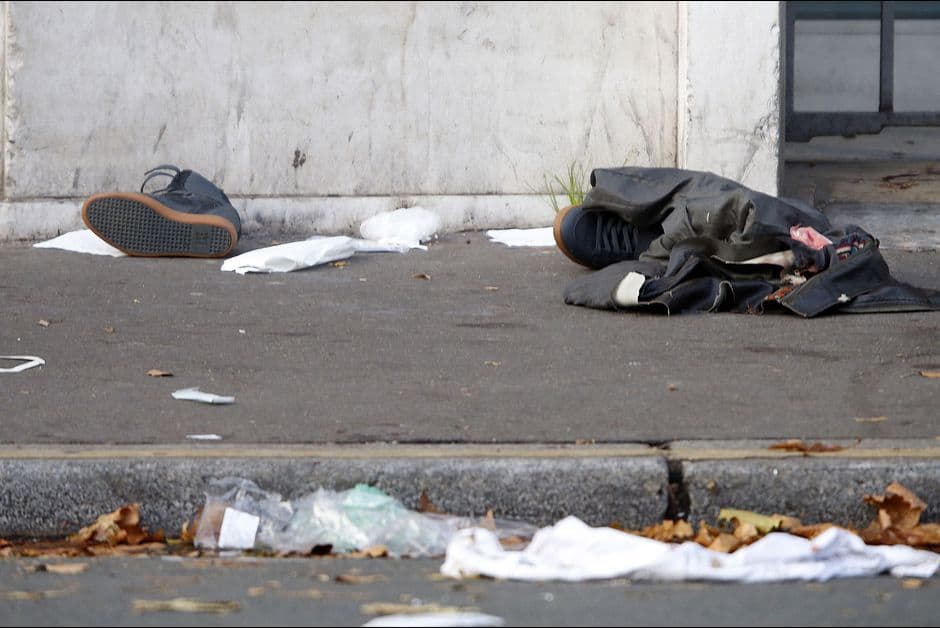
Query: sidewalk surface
459	372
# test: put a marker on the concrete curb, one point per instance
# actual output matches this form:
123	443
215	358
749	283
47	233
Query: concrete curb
52	496
50	491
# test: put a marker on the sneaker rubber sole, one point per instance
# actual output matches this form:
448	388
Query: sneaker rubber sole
140	225
559	218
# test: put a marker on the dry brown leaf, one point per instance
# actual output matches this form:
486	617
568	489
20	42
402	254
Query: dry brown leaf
787	523
672	387
761	523
373	551
108	329
110	528
256	591
424	276
189	529
42	322
491	288
926	535
930	374
897	508
796	444
125	550
669	531
48	550
810	531
66	569
186	605
425	505
391	608
309	594
584	441
725	543
47	594
513	541
355	578
706	534
339	264
912	583
746	532
159	373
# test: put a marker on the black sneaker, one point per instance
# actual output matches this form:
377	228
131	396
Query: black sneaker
594	238
190	217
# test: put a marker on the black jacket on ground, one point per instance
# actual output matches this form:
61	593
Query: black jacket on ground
702	228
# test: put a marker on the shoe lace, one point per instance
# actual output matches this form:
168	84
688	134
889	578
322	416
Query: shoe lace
613	233
165	170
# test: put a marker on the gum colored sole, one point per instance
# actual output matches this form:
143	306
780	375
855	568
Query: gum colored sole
140	225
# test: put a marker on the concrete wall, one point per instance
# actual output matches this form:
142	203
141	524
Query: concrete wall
314	116
730	92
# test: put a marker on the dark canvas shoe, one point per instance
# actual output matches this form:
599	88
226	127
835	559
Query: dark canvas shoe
190	217
594	238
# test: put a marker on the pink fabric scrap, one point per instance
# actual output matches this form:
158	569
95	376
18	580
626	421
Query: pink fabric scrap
810	237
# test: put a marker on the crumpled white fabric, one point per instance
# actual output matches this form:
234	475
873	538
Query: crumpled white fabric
407	227
540	236
571	550
283	258
81	241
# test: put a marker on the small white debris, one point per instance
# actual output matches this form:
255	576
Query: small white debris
30	362
194	394
203	437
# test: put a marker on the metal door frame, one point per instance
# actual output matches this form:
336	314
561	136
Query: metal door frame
801	126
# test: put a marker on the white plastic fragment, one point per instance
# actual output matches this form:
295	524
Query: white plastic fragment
437	619
81	241
194	394
203	437
407	227
238	529
30	362
540	236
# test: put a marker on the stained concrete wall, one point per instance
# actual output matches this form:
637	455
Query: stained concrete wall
730	90
314	116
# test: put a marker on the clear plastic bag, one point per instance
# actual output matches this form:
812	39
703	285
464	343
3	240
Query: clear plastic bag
244	496
349	520
362	517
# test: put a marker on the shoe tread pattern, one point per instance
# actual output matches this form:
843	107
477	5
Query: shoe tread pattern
137	229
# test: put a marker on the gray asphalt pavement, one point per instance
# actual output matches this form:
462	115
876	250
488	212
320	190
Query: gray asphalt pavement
306	592
461	374
485	351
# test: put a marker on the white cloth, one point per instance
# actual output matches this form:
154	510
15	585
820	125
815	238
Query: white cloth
540	236
407	227
571	550
81	241
283	258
